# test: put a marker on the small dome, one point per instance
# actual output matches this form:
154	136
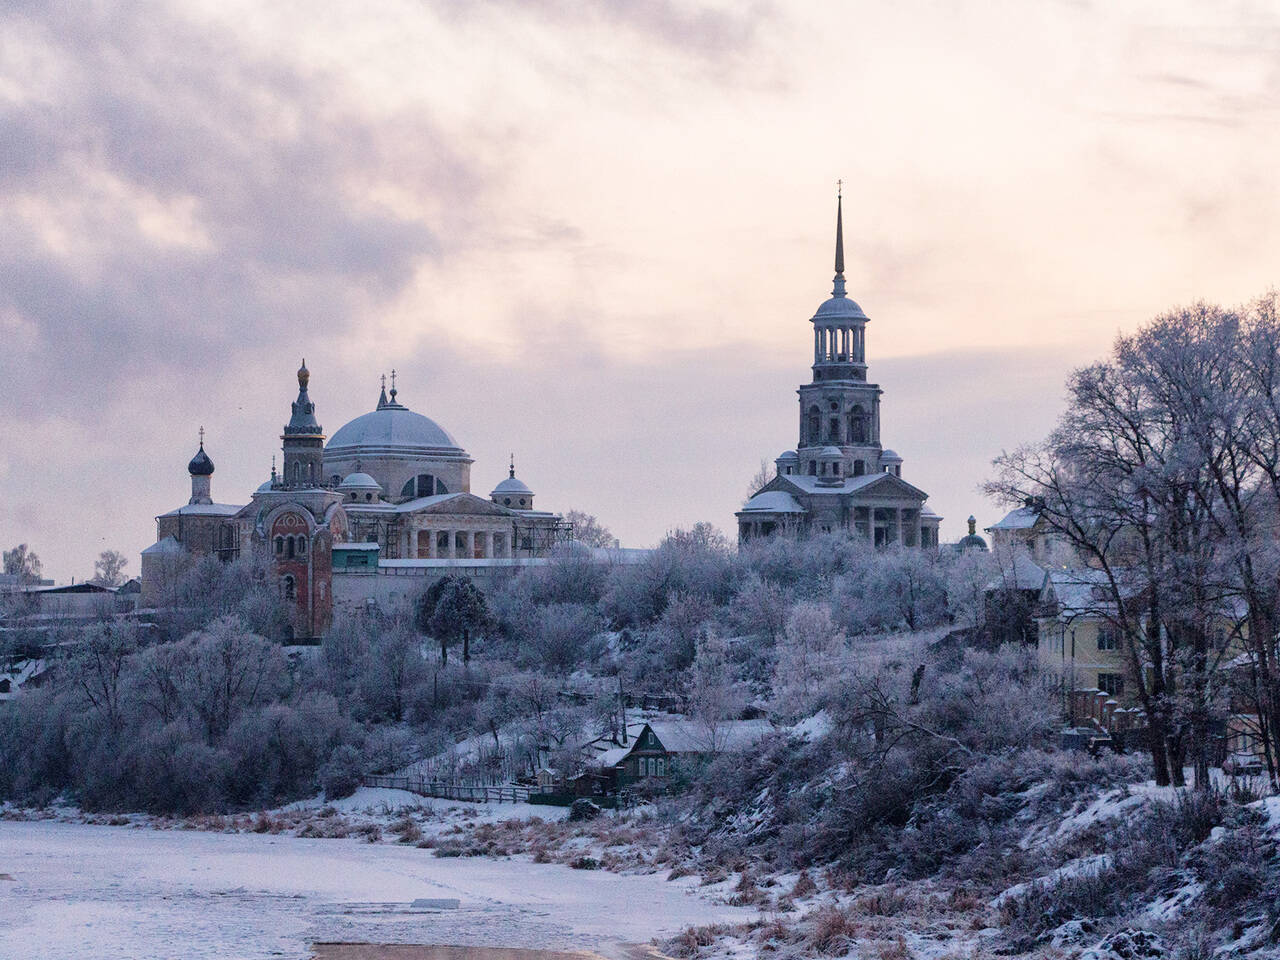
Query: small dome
359	481
788	455
266	487
889	456
830	453
200	465
511	486
840	308
973	542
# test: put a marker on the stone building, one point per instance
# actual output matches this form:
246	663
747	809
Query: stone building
388	496
840	476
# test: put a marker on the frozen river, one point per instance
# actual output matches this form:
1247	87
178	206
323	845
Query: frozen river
121	892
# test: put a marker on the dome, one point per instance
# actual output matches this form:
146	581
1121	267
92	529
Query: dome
512	486
390	430
830	453
360	481
889	456
200	465
973	542
266	487
840	308
788	455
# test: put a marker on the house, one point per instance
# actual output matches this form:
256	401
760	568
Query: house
652	750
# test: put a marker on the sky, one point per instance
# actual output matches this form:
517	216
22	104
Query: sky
592	235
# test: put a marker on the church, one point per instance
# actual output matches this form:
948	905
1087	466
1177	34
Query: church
367	517
840	476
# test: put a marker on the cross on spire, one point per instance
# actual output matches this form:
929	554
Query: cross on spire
393	384
512	472
201	431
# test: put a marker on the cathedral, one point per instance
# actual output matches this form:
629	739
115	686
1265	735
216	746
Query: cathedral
366	517
840	476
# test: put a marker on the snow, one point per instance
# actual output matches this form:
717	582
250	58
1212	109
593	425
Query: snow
385	803
90	891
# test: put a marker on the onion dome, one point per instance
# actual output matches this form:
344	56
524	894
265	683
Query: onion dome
200	465
973	541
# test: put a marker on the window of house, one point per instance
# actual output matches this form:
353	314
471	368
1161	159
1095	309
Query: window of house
1107	638
1111	684
662	766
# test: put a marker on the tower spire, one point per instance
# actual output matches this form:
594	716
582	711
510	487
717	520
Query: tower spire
512	471
837	289
382	397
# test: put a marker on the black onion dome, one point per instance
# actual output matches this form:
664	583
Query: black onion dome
200	465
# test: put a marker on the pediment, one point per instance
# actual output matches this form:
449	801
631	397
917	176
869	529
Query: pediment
465	504
889	487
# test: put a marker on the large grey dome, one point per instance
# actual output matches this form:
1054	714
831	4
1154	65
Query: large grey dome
391	429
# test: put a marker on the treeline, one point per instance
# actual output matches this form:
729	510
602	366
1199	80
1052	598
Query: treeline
1163	477
202	712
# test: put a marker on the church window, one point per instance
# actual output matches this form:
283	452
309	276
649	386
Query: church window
368	497
833	430
279	546
835	468
288	548
290	588
506	501
302	546
815	427
813	468
522	501
858	425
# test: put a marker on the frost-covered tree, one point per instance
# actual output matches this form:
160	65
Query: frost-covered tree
811	646
108	569
23	563
716	695
589	531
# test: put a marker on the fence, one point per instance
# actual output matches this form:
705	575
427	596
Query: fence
448	790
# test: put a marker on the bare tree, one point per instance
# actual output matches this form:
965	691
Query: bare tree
760	479
22	563
589	531
108	569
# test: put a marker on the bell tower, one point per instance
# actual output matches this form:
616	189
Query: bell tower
839	409
303	440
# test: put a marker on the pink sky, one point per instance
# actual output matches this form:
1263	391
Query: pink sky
593	234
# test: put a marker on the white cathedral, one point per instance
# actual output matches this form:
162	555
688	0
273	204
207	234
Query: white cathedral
840	476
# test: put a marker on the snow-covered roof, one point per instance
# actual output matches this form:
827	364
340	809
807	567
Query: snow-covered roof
1084	592
359	481
356	546
168	546
824	486
1023	518
388	430
694	736
512	486
1021	573
773	501
205	510
890	456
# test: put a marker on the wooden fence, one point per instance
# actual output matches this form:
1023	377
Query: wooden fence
448	790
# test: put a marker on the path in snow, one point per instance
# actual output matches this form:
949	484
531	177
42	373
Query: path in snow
114	892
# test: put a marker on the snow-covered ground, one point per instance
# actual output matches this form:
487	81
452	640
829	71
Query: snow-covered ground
114	892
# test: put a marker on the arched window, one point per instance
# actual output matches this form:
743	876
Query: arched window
815	427
302	546
290	588
423	485
279	546
833	430
289	548
857	425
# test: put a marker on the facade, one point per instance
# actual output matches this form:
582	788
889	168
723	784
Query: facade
390	490
840	476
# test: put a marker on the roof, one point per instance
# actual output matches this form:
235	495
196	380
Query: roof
890	456
391	429
359	481
200	465
356	546
169	545
86	587
512	485
1022	573
205	510
1023	518
840	307
693	736
1083	592
823	485
773	501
